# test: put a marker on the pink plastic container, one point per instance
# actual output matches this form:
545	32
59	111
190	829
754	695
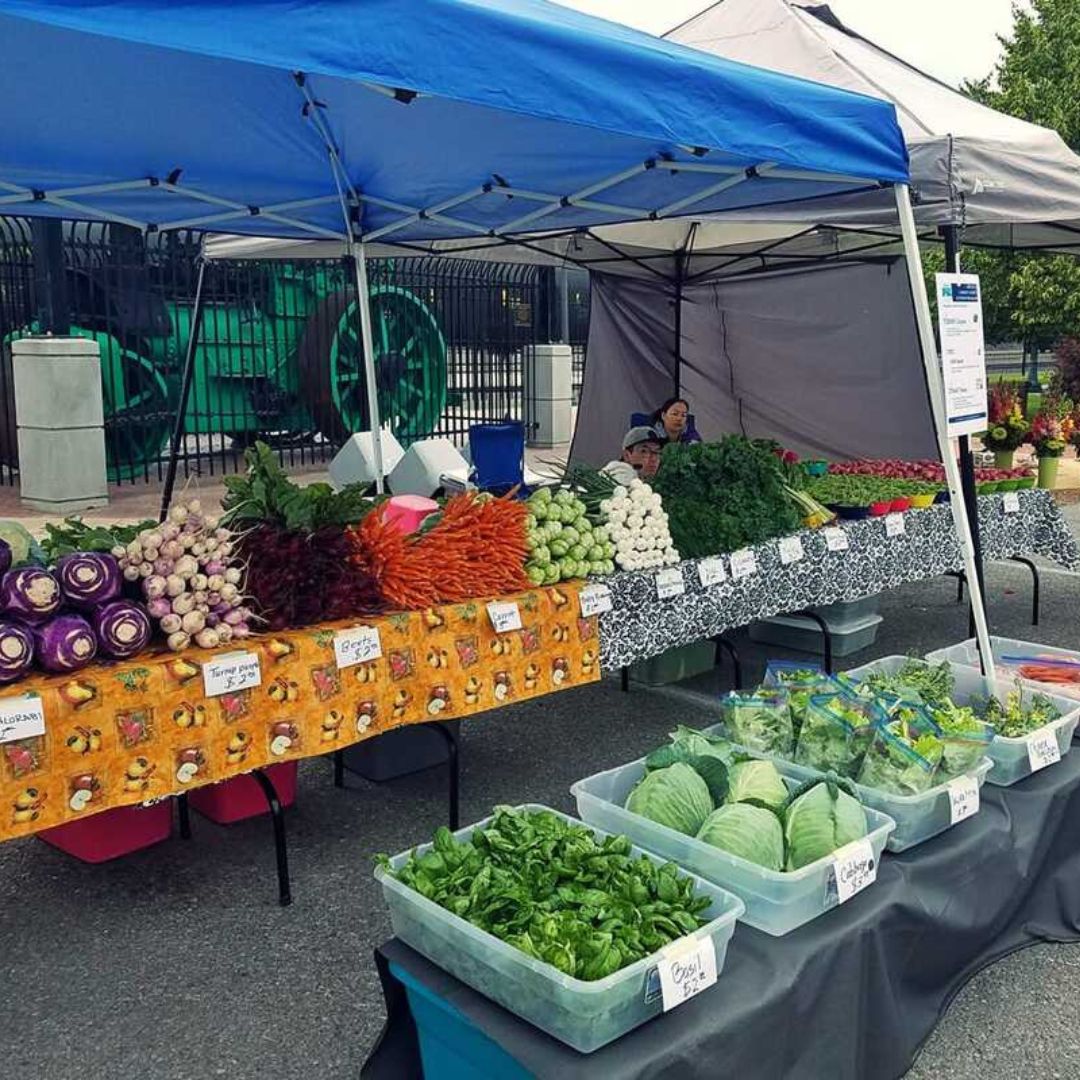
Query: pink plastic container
408	511
112	833
241	797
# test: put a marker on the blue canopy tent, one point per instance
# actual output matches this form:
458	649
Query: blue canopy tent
375	121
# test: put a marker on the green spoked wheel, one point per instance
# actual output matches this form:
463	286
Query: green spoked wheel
410	365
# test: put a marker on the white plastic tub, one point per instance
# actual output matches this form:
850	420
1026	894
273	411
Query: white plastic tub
585	1015
775	902
966	654
1010	756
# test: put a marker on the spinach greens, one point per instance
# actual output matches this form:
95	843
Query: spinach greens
557	892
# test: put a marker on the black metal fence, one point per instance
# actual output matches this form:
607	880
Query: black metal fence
278	355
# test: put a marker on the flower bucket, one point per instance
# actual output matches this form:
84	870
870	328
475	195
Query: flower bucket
880	509
1048	471
922	502
1003	459
899	506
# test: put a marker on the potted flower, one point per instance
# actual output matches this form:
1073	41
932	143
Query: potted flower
1008	428
1051	430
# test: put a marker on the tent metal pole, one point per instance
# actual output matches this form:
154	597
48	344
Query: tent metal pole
363	300
950	234
678	323
937	404
185	391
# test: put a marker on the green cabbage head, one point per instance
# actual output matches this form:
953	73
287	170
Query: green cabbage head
821	817
675	796
750	832
756	780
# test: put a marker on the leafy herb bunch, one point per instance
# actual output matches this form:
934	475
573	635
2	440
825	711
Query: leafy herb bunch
723	496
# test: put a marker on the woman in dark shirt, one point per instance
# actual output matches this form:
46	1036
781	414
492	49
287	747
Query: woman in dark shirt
671	422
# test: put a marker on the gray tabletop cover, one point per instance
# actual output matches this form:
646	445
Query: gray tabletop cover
849	996
639	625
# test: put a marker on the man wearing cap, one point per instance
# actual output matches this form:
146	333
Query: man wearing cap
640	456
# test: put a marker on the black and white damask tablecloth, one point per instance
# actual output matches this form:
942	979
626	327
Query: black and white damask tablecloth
640	625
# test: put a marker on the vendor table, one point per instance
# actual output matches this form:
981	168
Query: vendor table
851	995
640	625
125	733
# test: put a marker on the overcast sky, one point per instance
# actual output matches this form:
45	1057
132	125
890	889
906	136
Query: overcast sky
951	39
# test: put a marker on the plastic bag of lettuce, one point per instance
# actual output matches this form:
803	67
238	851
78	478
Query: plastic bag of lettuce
701	786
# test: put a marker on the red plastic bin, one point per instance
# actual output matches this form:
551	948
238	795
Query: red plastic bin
112	833
241	797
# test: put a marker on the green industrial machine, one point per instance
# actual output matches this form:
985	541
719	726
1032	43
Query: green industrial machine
282	358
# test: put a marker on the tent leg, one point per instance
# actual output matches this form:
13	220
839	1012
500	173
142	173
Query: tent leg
185	392
678	327
937	404
951	235
363	302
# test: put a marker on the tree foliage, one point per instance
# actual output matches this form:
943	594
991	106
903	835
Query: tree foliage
1033	298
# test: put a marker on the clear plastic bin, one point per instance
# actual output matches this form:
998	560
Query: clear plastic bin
775	902
1009	756
967	655
585	1015
917	817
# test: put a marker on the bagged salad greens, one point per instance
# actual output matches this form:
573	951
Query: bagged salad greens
905	753
837	732
964	738
760	721
788	673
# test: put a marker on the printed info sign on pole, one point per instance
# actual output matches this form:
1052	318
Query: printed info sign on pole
963	352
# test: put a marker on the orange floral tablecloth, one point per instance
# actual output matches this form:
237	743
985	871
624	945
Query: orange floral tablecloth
124	733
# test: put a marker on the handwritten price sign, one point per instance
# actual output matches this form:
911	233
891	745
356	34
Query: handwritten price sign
854	867
791	550
963	798
894	524
836	539
21	717
669	583
1011	502
357	645
231	673
685	970
595	600
711	572
1042	748
504	616
743	563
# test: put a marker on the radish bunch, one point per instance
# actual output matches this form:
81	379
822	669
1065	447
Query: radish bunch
189	578
638	527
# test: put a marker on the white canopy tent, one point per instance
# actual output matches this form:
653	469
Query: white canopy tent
1004	181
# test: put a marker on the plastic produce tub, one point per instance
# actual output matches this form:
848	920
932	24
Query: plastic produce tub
966	654
775	902
585	1015
112	833
241	797
1009	756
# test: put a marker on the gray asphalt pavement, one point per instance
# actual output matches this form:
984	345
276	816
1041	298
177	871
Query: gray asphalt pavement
177	963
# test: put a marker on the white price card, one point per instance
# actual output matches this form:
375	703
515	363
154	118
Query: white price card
711	572
21	717
836	539
894	524
854	867
743	563
1011	502
230	673
357	645
669	583
595	600
791	550
686	967
1042	748
963	798
504	616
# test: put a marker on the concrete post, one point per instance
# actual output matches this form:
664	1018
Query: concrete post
550	386
61	423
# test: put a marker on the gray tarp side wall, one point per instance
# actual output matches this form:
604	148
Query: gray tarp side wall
824	359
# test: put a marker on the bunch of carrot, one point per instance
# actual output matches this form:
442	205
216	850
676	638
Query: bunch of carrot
477	549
